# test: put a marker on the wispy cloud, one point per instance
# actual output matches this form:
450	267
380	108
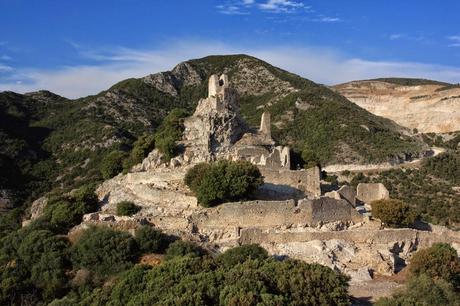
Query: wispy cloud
455	41
5	57
281	6
396	36
327	19
322	65
5	68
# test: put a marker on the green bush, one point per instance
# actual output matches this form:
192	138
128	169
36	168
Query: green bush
104	251
240	254
112	164
181	248
310	158
195	175
422	290
438	262
393	213
126	208
223	181
169	132
151	240
202	281
141	148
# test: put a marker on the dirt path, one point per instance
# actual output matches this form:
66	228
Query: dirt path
380	167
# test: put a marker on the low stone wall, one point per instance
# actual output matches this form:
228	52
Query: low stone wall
365	236
276	214
307	181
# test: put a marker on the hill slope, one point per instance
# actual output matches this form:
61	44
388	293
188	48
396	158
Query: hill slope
428	106
63	141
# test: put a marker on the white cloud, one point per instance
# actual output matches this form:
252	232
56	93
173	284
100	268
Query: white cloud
5	68
281	5
230	9
322	65
455	41
5	57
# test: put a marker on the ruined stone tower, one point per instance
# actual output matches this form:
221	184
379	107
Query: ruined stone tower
265	128
216	125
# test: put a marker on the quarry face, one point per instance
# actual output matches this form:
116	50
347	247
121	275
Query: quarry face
290	216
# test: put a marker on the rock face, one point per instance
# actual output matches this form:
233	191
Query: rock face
427	108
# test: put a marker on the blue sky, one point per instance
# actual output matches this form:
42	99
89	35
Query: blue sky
76	48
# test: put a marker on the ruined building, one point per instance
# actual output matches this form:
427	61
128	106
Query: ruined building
216	131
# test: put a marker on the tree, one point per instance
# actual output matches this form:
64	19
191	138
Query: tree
223	181
151	240
104	251
112	164
440	261
393	213
126	208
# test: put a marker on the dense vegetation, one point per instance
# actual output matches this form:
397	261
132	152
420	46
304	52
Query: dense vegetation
202	280
393	213
410	82
223	181
434	279
126	208
430	190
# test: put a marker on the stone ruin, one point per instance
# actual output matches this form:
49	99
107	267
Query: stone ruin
290	216
216	131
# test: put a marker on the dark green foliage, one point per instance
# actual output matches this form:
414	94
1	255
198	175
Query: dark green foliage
126	208
223	181
445	166
183	248
440	261
195	175
423	290
65	211
104	251
242	253
203	281
112	164
310	158
429	190
151	240
141	148
410	82
169	132
393	213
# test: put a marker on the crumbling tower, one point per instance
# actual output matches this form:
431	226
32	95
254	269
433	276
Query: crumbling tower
265	128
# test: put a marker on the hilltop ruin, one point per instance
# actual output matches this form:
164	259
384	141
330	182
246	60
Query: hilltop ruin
290	216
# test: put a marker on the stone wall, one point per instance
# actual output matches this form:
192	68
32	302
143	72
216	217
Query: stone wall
307	181
371	192
327	210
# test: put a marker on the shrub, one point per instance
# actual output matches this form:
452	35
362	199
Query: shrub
310	158
104	251
224	181
183	248
438	262
151	240
422	290
393	213
169	132
126	208
240	254
141	148
195	175
112	164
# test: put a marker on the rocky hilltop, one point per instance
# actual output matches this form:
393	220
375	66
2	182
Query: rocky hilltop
429	107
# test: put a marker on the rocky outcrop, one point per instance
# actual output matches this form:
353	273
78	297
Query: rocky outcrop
427	108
